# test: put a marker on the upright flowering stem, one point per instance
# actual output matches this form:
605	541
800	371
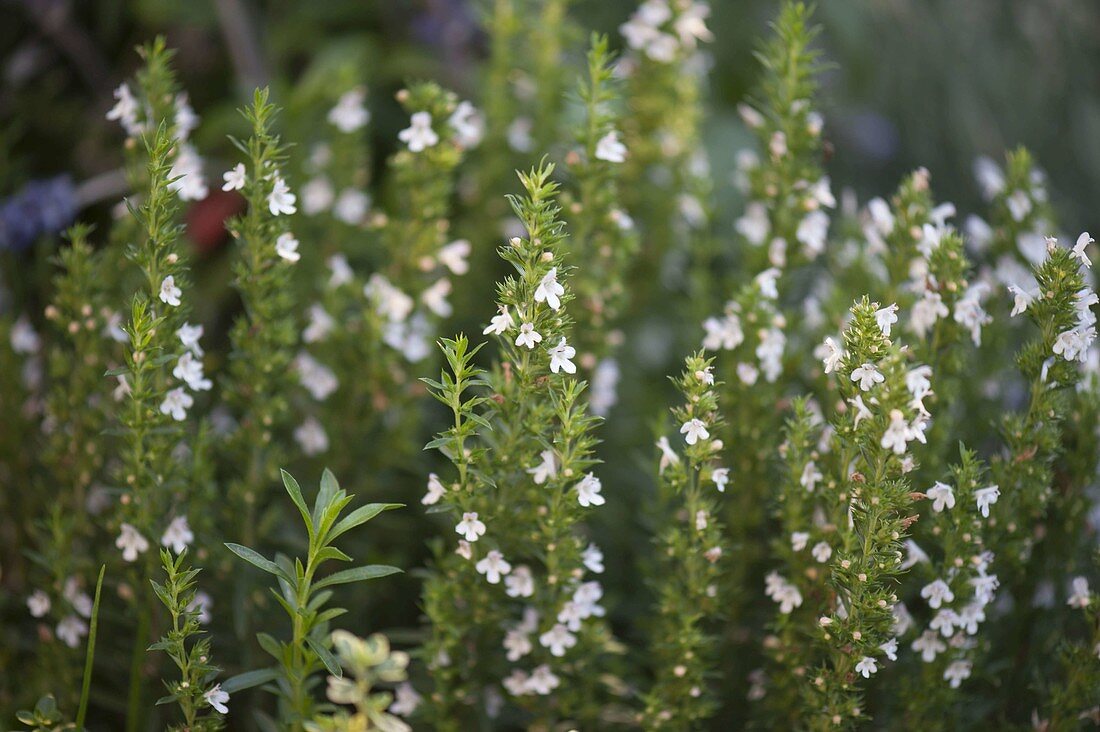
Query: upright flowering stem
601	229
522	490
690	549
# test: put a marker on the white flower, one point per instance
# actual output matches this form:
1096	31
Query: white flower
542	680
986	497
782	592
918	381
519	134
435	297
821	552
189	369
79	600
311	437
470	527
866	667
885	317
281	200
528	336
754	225
453	256
518	645
349	114
668	455
546	469
770	353
71	629
516	683
406	700
464	550
926	312
937	593
558	639
549	290
834	355
351	206
867	375
234	178
38	603
500	323
929	645
941	496
178	535
1019	205
812	232
610	149
493	566
970	617
810	476
588	491
419	134
694	430
799	540
468	124
520	583
189	336
389	301
721	478
897	433
186	171
822	193
1022	300
317	196
1073	344
1079	597
593	558
766	281
217	698
1079	249
286	246
176	403
957	672
114	329
169	293
560	356
862	412
945	621
125	110
890	648
341	271
436	490
881	216
970	313
320	325
317	378
723	333
131	542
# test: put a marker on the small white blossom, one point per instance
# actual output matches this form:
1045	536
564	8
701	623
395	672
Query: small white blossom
941	496
189	336
169	293
234	178
493	566
468	124
70	630
349	114
937	592
799	540
588	491
593	559
929	645
454	255
723	333
501	322
957	672
176	403
517	644
520	583
528	336
217	698
1080	596
470	527
178	536
866	667
810	476
406	700
38	603
419	135
341	271
610	149
318	379
131	542
885	317
286	246
897	434
560	357
281	200
435	297
317	195
822	552
668	455
1079	249
867	375
834	355
546	469
189	369
721	478
436	490
542	680
550	290
311	437
926	312
694	430
558	639
351	206
890	648
986	497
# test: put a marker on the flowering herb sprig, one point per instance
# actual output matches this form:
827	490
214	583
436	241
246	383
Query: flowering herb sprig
1020	213
862	496
263	338
368	662
691	547
784	222
600	228
523	486
201	701
303	594
664	71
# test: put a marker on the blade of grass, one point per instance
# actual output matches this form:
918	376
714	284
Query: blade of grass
86	688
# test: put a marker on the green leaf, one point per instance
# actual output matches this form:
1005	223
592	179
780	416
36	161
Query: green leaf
295	492
257	560
360	516
326	657
356	574
249	679
329	487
